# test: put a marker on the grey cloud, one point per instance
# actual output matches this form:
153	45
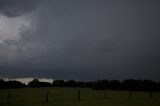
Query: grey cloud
90	40
15	8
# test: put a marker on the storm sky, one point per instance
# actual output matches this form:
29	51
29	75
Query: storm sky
80	39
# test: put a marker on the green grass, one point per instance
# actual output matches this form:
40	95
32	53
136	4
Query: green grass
68	97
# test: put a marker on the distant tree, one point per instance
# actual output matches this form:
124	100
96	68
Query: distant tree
149	85
15	84
88	84
37	83
128	84
2	84
114	85
101	85
139	85
158	86
71	83
11	84
85	84
58	83
45	84
34	83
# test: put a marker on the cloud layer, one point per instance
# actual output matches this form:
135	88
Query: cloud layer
80	39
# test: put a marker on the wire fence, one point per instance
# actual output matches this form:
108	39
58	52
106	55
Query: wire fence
50	95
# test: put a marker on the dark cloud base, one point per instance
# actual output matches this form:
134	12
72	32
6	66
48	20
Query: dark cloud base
85	40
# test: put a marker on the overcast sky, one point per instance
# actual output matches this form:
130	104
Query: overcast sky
80	39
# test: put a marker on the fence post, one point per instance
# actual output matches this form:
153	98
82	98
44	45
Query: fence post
78	96
47	96
8	97
105	94
151	94
130	94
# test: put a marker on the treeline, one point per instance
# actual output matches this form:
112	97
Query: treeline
11	84
129	84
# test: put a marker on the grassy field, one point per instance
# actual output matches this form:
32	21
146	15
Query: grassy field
68	97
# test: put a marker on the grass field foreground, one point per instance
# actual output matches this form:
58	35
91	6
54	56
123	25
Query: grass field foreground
69	97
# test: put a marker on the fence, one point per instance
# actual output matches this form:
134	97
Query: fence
50	95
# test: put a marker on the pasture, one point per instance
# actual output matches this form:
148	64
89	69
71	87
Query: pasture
69	97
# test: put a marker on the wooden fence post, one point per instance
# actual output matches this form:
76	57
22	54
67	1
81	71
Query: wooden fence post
130	94
47	96
150	94
78	96
8	97
105	94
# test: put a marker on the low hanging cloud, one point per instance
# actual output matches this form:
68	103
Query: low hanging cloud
15	8
15	19
82	40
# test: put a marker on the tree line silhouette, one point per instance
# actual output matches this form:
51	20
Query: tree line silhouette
128	84
11	84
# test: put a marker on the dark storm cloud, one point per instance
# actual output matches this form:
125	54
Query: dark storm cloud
90	40
14	8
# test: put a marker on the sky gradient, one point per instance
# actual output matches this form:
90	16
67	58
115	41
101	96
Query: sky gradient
80	39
